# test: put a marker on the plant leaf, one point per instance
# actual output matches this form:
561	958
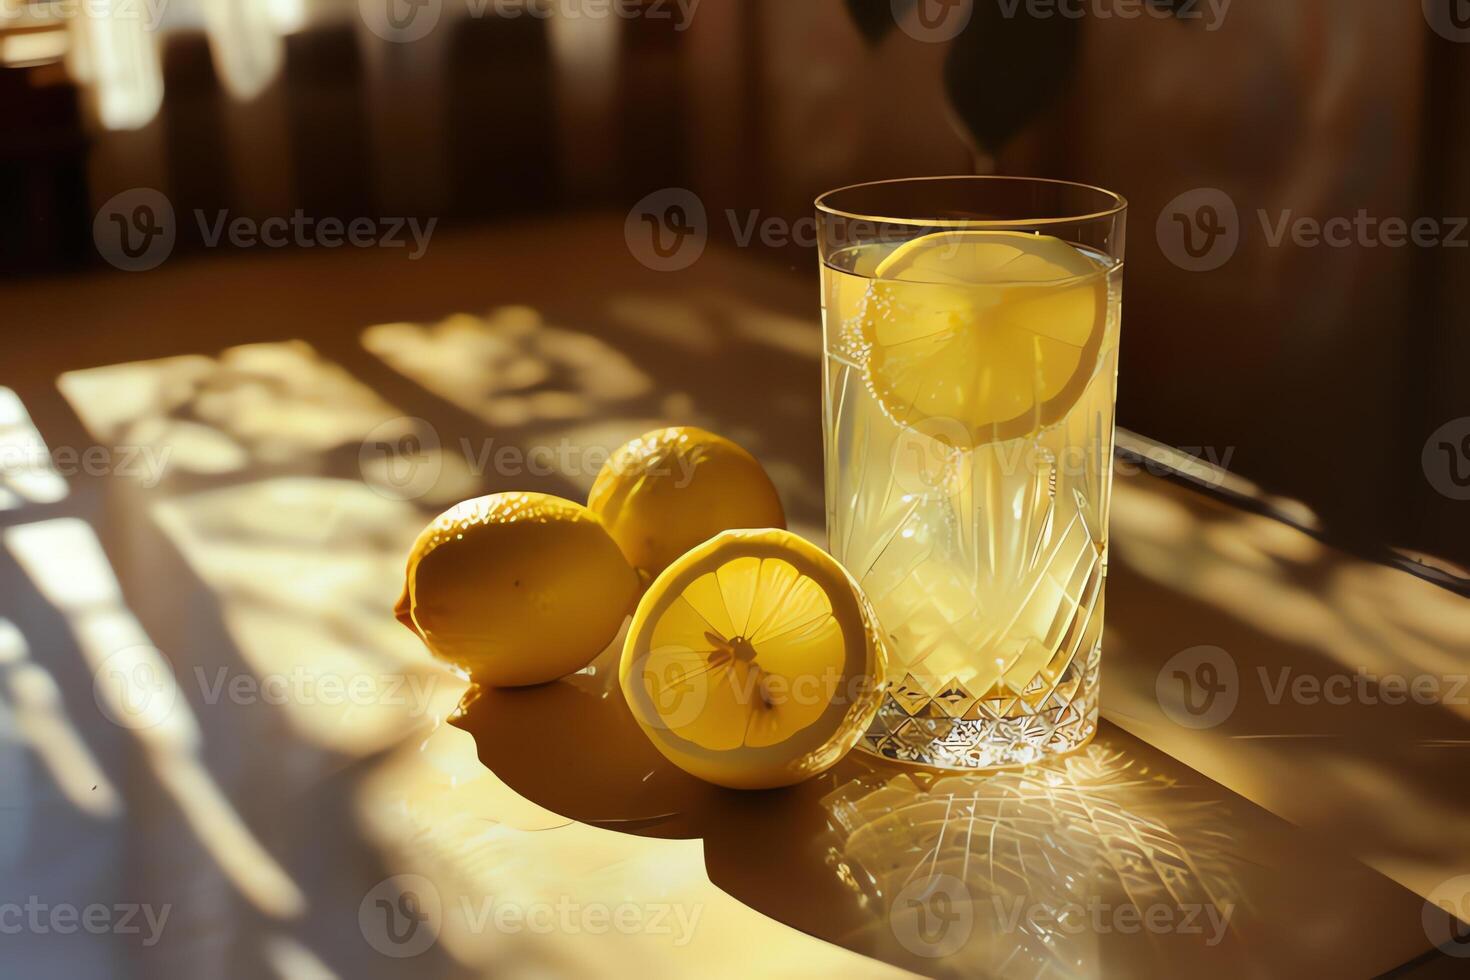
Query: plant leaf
1003	72
875	18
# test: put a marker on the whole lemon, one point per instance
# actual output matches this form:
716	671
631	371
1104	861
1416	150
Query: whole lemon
671	489
516	588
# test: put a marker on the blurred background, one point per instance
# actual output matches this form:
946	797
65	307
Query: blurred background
1330	369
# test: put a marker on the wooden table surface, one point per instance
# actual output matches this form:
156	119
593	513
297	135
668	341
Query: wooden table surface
208	713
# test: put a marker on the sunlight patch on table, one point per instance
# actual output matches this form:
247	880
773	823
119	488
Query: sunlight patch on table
306	571
27	472
257	405
39	716
510	367
1355	613
289	959
65	561
675	322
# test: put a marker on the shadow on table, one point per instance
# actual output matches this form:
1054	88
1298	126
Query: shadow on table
1328	689
1115	859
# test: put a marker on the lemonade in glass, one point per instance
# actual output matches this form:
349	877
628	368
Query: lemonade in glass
971	331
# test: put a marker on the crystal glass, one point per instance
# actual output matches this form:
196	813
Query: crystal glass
971	331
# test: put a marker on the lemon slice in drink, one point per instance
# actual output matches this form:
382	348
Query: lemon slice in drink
753	661
999	331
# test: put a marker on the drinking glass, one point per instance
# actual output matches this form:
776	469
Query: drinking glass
971	335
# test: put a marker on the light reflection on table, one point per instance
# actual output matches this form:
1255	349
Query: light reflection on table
1035	872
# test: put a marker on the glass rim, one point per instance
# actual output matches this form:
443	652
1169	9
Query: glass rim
1116	203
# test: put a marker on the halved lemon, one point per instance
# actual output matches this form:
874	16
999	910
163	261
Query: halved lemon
753	661
999	331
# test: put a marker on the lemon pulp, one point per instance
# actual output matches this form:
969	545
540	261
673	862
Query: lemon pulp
753	660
